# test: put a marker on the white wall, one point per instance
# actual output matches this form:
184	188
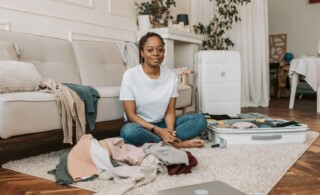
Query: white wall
198	10
299	20
71	19
107	20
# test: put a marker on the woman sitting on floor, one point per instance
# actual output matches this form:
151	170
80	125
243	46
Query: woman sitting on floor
149	93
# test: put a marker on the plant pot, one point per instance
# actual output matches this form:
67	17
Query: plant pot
144	22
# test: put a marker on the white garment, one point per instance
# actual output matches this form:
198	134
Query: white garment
166	153
151	96
129	53
128	177
100	156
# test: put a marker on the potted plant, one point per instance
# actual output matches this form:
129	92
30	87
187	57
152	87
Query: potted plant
159	10
225	14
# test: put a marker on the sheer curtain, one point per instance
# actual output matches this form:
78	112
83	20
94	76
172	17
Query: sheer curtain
252	43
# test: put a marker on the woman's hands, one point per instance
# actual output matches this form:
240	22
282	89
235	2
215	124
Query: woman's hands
167	135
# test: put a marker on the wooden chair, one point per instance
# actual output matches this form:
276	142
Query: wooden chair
284	70
277	50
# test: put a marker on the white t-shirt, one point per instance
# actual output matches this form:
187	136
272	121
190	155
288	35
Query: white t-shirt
152	96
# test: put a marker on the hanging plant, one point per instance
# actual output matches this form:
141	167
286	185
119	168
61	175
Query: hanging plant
225	14
158	9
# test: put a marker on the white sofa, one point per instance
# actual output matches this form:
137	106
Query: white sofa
97	64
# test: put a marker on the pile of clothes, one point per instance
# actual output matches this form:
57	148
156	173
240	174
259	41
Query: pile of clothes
129	166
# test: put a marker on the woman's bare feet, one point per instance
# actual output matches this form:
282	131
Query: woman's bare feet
192	143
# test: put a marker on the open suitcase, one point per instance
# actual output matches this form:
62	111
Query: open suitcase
276	133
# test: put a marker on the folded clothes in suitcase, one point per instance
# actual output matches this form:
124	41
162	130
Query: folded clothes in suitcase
255	131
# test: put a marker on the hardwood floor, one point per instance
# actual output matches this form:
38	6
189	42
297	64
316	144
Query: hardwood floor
302	178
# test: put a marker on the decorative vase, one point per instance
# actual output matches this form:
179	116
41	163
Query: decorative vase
183	18
144	22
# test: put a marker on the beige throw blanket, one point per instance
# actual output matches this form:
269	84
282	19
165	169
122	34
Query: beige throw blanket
71	108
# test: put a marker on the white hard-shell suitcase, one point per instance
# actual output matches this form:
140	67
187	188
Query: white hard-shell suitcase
273	135
218	82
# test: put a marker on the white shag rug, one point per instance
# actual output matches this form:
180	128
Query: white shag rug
253	169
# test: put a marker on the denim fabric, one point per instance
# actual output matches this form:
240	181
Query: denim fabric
187	127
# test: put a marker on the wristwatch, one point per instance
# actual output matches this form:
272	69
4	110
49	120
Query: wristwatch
153	128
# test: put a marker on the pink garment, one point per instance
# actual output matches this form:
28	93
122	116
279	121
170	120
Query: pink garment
79	161
124	154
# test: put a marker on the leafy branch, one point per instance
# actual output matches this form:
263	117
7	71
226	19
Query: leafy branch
225	14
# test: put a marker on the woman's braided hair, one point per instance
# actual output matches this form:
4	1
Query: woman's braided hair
143	41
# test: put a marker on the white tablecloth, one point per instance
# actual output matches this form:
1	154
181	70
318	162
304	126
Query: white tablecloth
308	67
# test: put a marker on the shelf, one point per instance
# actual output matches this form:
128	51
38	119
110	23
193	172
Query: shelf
174	34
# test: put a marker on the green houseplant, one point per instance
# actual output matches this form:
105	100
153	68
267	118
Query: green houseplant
158	9
225	14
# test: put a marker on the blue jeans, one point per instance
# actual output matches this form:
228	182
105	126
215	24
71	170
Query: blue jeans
187	127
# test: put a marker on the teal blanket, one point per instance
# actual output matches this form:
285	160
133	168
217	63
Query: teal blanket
90	96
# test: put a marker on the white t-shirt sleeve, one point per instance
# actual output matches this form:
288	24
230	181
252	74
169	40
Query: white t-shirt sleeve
126	91
175	89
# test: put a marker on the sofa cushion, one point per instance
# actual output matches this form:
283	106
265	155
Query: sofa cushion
109	106
18	76
28	112
7	51
38	112
184	98
53	57
99	63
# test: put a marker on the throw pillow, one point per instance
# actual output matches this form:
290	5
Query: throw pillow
7	51
18	76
